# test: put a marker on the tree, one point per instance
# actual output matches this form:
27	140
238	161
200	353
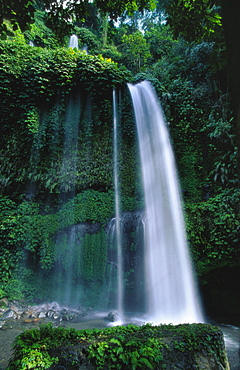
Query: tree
136	51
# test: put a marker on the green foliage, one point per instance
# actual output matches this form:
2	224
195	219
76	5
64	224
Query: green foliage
88	206
161	42
220	131
9	254
31	348
39	87
189	79
94	249
146	347
126	351
116	9
87	37
47	70
213	228
36	82
194	19
36	360
39	33
20	13
27	236
89	251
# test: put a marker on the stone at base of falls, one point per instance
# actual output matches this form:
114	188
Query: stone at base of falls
185	346
113	316
9	315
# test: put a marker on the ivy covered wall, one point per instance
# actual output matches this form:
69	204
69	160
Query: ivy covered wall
57	168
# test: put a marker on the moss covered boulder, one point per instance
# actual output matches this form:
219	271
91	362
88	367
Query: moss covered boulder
187	346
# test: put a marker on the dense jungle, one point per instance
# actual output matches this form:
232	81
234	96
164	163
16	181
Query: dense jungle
56	142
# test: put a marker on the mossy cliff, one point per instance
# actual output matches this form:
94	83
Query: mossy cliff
56	170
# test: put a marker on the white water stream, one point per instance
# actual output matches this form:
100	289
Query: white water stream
73	42
117	211
171	294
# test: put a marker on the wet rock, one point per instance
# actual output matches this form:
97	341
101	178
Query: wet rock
113	316
50	313
29	313
41	315
54	306
57	316
69	355
70	317
9	315
64	311
15	307
25	315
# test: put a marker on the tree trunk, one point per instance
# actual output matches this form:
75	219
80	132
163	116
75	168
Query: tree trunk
104	29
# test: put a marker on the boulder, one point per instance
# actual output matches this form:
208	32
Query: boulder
113	316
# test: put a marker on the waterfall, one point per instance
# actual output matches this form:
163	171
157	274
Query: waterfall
85	48
171	294
117	211
73	42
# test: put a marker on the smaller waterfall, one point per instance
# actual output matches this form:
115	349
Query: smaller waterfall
73	42
170	288
111	273
117	211
85	48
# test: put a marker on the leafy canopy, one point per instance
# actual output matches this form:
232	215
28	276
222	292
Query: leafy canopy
21	12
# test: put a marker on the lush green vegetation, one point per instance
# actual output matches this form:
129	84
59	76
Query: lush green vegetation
56	134
117	348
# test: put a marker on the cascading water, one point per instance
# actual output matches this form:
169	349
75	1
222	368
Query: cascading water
73	42
117	211
171	294
85	48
